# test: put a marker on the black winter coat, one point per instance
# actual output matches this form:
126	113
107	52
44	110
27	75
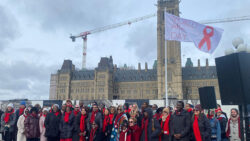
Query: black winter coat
204	127
165	137
77	124
181	124
98	118
66	128
52	125
153	129
223	124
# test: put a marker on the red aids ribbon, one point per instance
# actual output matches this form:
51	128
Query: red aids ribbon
206	37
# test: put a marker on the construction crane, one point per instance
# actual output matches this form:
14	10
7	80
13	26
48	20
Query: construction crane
84	35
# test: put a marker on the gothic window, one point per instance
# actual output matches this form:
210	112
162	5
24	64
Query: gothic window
101	90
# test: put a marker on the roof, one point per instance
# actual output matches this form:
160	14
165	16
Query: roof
188	73
135	75
83	75
199	73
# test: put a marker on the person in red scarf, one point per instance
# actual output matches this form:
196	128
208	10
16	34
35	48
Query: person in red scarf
20	126
151	128
8	123
66	125
200	125
223	123
95	114
76	113
81	124
134	132
105	125
112	116
165	125
31	124
95	132
233	130
41	124
52	122
189	109
121	115
180	123
215	126
158	113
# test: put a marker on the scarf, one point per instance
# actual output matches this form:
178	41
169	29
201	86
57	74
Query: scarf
103	110
56	113
145	127
21	110
76	112
196	129
190	110
210	116
157	116
111	118
92	134
92	119
178	112
66	116
165	127
117	118
7	116
34	115
82	126
228	125
105	123
220	118
123	135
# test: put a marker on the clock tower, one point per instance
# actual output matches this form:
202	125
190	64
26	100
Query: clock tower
174	69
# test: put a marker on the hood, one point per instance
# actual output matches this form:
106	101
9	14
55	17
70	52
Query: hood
149	111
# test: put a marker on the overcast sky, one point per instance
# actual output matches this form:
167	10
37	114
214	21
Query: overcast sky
34	37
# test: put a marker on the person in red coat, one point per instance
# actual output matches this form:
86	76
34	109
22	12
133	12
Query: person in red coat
134	130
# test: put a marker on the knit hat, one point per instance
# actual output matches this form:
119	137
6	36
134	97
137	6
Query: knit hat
23	103
56	105
34	109
198	107
10	105
217	110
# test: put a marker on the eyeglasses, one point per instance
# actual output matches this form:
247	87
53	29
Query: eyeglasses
131	121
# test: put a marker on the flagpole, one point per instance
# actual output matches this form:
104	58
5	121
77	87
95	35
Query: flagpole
166	62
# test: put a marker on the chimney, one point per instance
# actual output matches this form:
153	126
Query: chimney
199	64
115	68
139	66
207	65
146	66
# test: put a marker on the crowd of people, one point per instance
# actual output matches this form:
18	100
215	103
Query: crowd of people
126	122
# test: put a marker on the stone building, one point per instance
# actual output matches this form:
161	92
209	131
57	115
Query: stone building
107	81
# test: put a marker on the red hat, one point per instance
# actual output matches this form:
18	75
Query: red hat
217	110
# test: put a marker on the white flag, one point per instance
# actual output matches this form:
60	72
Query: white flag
206	38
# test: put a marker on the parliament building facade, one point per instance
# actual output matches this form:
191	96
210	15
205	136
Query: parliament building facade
108	82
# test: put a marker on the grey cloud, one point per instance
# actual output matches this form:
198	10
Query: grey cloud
8	28
26	79
144	41
69	15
